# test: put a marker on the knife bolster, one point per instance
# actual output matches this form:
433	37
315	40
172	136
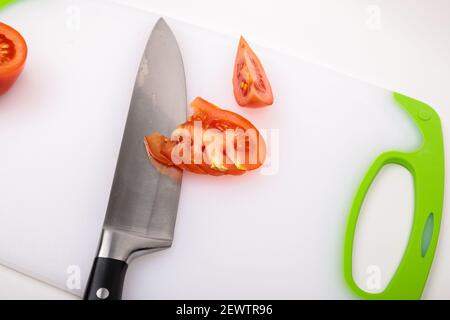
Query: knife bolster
125	246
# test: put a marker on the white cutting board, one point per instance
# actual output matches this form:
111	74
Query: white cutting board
276	233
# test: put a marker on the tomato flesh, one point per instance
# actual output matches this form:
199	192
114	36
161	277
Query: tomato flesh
238	146
13	53
250	84
155	143
7	49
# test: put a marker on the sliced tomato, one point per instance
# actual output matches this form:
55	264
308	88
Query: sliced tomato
13	53
243	150
250	84
156	144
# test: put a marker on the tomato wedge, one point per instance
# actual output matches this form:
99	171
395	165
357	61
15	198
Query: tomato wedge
13	53
250	84
213	141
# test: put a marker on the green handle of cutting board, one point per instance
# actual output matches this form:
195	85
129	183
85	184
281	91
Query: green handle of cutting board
4	3
426	165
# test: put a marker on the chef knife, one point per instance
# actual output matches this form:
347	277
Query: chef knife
143	203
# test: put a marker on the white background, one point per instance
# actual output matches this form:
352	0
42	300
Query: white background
401	45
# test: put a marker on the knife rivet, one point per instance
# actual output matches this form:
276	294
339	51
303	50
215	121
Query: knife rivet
102	293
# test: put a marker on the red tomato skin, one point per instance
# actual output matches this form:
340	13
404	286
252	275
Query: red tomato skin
160	148
7	81
10	71
247	60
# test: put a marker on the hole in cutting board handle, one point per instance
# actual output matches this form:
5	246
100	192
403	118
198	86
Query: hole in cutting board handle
383	228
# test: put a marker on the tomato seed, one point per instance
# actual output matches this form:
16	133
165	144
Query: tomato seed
7	49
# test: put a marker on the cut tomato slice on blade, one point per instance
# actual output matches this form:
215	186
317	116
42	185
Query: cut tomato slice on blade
213	141
250	84
155	144
13	53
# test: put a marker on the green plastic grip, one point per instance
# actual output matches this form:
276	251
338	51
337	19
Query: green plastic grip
426	165
4	3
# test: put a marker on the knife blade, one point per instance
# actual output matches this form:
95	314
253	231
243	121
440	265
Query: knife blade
143	203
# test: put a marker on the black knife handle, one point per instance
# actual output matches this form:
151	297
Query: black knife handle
106	279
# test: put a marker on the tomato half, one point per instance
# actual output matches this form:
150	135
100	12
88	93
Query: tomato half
213	141
250	84
13	53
